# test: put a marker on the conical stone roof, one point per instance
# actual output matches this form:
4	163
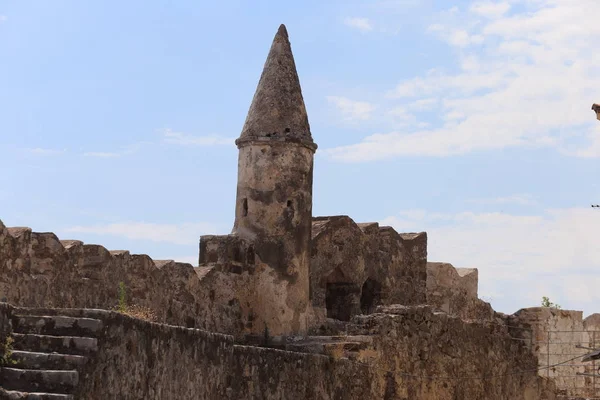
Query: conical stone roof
277	111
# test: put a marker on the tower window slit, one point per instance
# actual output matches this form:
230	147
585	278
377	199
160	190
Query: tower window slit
245	207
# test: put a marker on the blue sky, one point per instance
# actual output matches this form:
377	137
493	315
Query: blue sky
469	120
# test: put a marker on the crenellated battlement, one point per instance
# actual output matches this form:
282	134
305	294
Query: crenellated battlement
384	267
454	290
40	270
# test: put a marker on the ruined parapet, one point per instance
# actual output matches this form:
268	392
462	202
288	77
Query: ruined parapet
559	339
592	323
356	267
338	267
39	270
402	266
454	291
435	355
596	109
225	249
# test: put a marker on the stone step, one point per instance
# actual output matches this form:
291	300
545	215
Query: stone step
35	380
55	361
57	325
66	312
336	339
54	344
15	395
327	347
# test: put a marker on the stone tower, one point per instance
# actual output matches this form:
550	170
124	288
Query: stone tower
259	274
275	175
264	263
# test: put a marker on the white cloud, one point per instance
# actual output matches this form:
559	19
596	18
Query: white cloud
181	234
531	85
490	9
190	140
462	38
423	104
362	24
402	117
352	110
553	254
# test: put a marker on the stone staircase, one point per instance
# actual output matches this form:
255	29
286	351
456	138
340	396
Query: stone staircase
48	353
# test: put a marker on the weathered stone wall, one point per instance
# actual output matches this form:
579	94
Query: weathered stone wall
340	253
355	267
592	323
454	291
39	270
142	360
5	327
417	354
402	266
262	373
463	360
236	274
554	335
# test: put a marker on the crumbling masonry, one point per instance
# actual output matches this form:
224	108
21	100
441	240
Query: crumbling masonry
285	307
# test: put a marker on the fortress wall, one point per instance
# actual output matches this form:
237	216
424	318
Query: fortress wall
415	354
471	360
39	270
411	345
262	373
142	360
454	291
138	359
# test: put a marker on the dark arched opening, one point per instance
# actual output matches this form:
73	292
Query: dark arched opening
341	300
370	296
250	255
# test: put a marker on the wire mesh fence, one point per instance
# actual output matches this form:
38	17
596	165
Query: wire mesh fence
574	379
